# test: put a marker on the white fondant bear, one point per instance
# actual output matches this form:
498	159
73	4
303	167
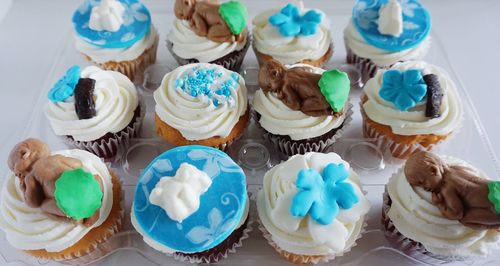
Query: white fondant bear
390	21
180	195
107	16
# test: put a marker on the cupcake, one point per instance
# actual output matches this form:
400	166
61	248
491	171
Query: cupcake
312	208
116	35
292	35
95	110
206	31
441	209
382	33
412	106
302	108
191	203
59	206
202	104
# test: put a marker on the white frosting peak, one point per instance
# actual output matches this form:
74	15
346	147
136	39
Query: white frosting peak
180	195
107	16
390	21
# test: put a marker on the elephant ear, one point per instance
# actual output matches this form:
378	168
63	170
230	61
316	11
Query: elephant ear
235	15
335	85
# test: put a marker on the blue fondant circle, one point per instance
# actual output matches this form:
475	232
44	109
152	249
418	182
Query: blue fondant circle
137	23
221	207
416	24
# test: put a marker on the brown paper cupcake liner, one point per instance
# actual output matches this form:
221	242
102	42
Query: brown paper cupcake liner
411	248
321	62
320	144
99	248
132	68
364	65
232	61
108	148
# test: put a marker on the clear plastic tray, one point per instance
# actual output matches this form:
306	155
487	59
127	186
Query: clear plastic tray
372	163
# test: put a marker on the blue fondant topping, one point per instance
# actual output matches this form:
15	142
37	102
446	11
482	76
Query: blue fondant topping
65	87
290	23
416	24
321	196
221	207
136	25
403	89
207	83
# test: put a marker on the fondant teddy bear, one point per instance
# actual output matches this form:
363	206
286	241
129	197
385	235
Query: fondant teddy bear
458	192
38	171
296	87
205	20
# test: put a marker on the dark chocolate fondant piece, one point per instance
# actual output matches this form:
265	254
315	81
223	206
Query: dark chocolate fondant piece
434	96
84	98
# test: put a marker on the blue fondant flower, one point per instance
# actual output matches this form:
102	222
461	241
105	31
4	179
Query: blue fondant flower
65	87
403	89
320	196
290	23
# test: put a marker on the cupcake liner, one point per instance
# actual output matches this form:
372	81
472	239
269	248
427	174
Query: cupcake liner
101	248
109	148
291	147
321	62
411	248
131	68
364	65
232	61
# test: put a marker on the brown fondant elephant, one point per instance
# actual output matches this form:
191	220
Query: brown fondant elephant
296	87
458	191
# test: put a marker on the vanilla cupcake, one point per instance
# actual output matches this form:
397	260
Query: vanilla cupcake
302	108
312	208
410	107
292	35
60	206
382	33
220	38
116	35
191	203
202	104
95	110
439	209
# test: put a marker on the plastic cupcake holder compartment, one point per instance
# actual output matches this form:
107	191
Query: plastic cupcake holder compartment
372	162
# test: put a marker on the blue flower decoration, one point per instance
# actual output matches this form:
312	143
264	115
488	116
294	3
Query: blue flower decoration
65	87
321	196
403	89
290	23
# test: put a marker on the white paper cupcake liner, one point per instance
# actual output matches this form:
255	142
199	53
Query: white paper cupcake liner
290	147
232	62
408	246
108	149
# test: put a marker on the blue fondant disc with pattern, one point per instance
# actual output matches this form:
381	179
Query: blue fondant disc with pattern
221	206
136	25
416	24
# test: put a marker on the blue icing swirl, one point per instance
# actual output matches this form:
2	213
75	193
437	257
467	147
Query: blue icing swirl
136	25
416	24
206	83
221	207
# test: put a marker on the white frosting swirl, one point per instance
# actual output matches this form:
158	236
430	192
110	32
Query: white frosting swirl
279	119
290	50
304	236
354	41
115	102
414	121
29	228
103	55
197	118
188	45
414	215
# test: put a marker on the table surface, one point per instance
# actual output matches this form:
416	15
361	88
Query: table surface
31	28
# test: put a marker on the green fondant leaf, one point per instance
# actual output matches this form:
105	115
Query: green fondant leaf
335	85
235	15
78	194
494	195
